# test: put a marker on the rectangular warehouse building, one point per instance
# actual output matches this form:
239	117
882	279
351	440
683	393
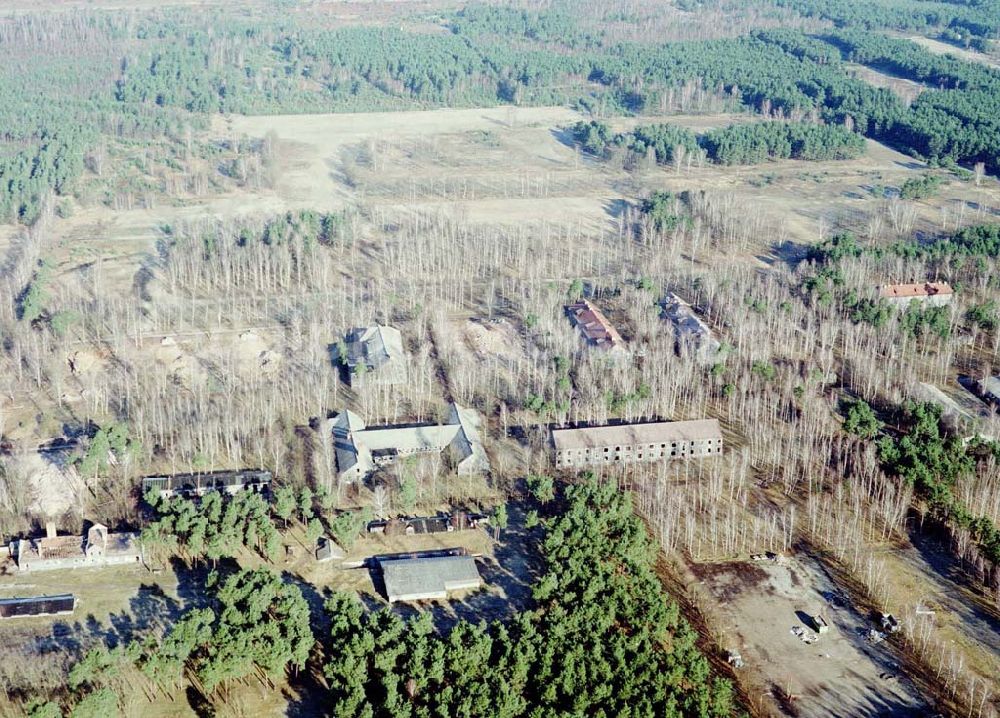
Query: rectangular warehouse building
637	443
425	579
60	605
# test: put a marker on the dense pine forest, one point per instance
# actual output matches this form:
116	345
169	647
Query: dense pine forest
150	77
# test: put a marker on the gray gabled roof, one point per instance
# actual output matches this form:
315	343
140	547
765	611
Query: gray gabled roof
418	579
373	346
354	443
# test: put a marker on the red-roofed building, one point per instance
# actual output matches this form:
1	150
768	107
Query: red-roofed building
933	293
594	326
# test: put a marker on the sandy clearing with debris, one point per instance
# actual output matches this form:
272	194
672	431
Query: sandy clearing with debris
839	674
54	483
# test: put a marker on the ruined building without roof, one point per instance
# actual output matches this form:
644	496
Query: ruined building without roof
636	443
594	327
375	356
199	484
98	548
360	450
692	334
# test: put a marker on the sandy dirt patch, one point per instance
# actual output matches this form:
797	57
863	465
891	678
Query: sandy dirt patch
498	338
837	675
906	90
55	486
943	48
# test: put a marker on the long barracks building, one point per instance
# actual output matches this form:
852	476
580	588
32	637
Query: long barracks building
635	443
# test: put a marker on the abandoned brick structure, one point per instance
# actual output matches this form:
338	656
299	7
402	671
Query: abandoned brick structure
634	443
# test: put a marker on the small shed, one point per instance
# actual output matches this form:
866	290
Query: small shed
58	605
420	579
327	550
820	624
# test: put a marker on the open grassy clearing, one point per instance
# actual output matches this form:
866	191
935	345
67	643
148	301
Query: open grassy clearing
905	89
944	48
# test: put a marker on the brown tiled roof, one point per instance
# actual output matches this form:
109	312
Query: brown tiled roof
660	432
927	289
594	326
51	548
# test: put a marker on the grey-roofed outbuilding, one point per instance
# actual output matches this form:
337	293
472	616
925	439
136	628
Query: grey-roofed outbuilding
991	389
327	550
375	356
58	605
424	579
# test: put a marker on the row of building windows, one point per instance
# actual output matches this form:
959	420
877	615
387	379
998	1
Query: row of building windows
644	452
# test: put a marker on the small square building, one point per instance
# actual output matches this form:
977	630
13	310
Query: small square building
375	356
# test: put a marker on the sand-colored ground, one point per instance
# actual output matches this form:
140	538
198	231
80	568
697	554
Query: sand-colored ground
840	674
310	144
943	48
54	485
906	90
498	338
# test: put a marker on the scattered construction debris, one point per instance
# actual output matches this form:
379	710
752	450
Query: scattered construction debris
889	623
735	660
804	635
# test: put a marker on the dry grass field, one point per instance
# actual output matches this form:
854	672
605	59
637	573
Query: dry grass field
944	48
